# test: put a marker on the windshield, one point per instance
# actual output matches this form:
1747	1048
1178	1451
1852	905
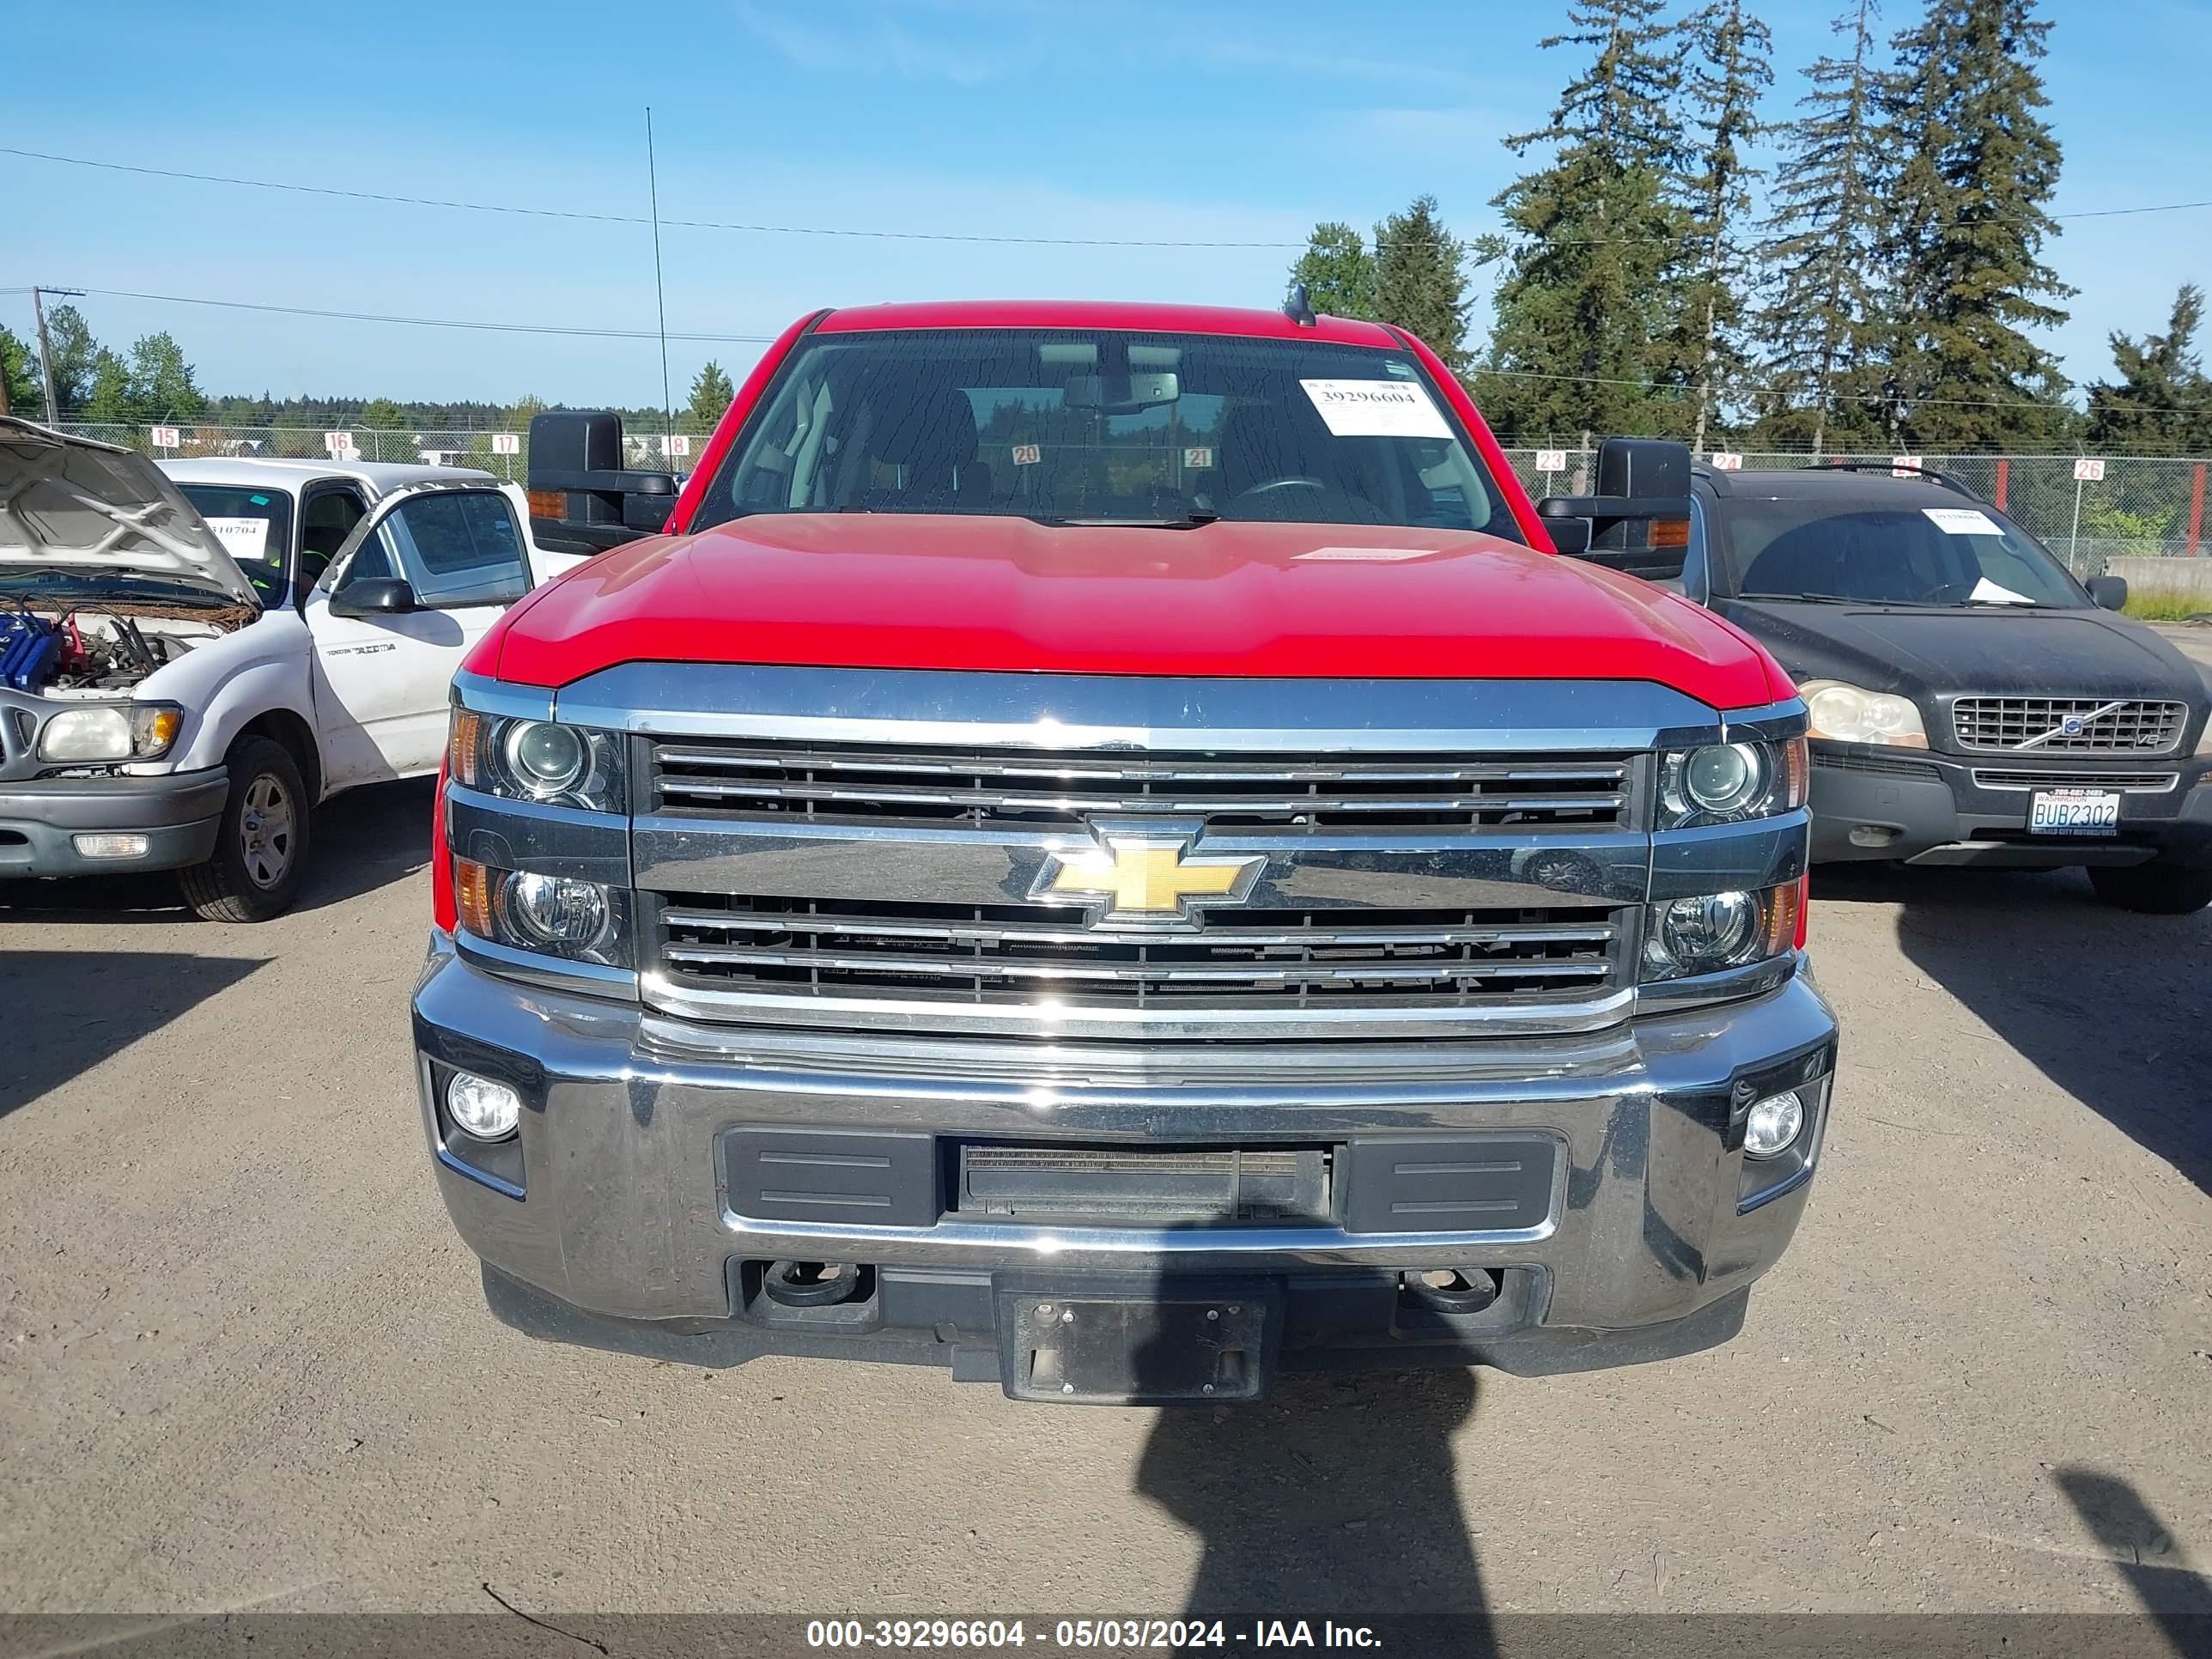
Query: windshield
255	528
1839	547
1073	425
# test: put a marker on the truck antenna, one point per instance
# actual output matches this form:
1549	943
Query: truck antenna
1297	308
659	292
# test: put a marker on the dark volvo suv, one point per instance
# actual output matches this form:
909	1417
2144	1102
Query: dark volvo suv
1971	701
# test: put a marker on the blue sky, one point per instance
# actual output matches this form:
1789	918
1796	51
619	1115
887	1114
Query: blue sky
1209	121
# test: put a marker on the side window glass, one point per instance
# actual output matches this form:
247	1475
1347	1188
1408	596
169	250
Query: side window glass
1695	583
454	549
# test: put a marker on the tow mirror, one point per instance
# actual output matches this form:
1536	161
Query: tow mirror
1639	521
579	488
2109	592
374	596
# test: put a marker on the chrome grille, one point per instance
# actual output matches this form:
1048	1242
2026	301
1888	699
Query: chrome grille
1017	954
2100	725
2145	783
1030	789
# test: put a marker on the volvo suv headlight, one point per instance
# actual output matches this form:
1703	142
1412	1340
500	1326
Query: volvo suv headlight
1712	932
110	733
548	916
1730	782
1851	713
537	760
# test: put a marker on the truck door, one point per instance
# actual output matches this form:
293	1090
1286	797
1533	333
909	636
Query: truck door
420	582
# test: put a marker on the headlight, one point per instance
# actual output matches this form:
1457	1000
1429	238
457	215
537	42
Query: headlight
550	916
1847	714
537	760
1729	782
111	733
1712	932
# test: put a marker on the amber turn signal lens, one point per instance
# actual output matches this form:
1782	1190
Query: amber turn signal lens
1796	773
549	504
472	896
1670	532
1783	907
464	748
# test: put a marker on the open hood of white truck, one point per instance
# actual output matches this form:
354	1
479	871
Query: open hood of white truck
77	504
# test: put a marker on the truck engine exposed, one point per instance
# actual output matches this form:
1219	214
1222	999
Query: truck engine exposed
91	650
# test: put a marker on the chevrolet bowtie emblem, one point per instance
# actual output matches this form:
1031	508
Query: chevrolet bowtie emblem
1146	877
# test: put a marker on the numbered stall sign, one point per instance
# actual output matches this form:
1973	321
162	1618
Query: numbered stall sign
166	437
339	446
507	443
675	446
1903	466
1727	460
2088	469
1551	460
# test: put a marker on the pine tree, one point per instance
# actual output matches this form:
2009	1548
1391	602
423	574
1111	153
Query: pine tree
1966	227
710	395
1338	271
2163	402
75	357
1817	327
1594	238
1724	84
1420	281
21	393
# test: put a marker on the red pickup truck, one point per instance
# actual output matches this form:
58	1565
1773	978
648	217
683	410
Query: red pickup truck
1105	848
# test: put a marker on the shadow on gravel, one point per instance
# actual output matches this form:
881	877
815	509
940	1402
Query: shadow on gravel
1334	1498
67	1010
2110	1006
363	840
2148	1555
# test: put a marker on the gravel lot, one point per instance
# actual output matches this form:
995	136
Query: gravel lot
244	1362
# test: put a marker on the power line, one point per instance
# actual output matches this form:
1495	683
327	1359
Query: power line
867	234
428	322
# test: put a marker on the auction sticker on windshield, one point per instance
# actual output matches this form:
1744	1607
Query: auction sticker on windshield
1962	521
2075	813
1377	408
242	538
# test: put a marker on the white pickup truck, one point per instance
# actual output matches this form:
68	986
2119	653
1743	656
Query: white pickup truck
189	662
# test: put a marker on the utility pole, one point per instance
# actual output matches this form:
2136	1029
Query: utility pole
45	348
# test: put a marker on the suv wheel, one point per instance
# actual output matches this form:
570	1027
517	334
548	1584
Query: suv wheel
2155	888
261	850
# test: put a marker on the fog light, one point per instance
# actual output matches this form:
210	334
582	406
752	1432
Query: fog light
488	1110
1772	1124
112	847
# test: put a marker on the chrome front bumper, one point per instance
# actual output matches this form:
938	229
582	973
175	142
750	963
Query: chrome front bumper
620	1207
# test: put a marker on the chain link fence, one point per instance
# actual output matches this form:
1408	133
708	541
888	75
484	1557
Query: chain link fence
2138	508
502	454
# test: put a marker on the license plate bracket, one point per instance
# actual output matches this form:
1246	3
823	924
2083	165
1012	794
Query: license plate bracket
1138	1342
2074	812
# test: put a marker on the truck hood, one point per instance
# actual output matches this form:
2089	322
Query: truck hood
1996	650
1233	600
76	504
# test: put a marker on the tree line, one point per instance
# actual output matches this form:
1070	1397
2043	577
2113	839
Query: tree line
153	381
1884	290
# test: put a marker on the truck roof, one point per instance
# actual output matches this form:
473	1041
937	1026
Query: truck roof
382	477
1105	314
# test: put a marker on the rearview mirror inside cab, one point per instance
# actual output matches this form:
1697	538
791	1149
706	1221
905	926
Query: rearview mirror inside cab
1639	521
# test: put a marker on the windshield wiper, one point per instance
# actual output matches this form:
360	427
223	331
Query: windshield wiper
1818	598
1197	518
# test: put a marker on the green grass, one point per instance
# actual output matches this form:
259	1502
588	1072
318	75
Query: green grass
2150	605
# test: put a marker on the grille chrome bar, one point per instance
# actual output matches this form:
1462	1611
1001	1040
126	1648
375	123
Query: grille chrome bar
1168	974
1012	932
2133	783
987	787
